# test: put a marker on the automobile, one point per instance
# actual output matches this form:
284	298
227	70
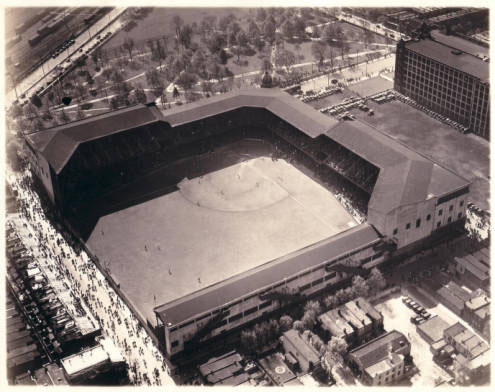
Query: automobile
416	319
23	96
426	315
406	300
250	366
371	112
421	309
81	50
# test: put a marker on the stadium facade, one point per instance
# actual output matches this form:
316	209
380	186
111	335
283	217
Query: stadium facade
405	197
447	79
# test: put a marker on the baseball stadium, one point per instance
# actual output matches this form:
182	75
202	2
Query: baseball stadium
214	214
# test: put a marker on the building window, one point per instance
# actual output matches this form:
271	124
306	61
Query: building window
438	224
396	231
451	208
175	343
265	304
461	203
235	318
408	226
252	310
459	215
449	220
440	212
418	222
428	217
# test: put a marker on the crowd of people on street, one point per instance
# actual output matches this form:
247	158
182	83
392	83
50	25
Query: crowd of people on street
146	365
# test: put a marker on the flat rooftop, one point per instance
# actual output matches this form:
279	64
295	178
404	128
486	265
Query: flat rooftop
213	228
445	54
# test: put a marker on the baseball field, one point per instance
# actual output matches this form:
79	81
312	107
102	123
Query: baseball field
214	227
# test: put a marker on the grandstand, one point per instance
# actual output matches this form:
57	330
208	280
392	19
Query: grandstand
109	173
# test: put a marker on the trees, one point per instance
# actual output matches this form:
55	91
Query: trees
260	14
376	281
248	341
186	80
128	46
318	50
337	348
285	323
242	39
299	27
223	57
159	53
185	36
360	287
285	58
298	326
153	78
253	31
177	24
329	34
287	29
140	94
36	101
215	43
309	319
269	31
199	63
330	301
107	74
313	306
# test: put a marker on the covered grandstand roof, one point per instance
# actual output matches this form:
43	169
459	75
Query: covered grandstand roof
59	143
281	104
405	177
265	275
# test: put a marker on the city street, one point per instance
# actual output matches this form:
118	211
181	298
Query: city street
373	68
42	74
146	365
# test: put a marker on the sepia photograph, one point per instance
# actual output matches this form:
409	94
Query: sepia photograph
246	194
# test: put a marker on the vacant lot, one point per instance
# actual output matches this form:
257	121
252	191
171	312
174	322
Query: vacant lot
216	226
467	155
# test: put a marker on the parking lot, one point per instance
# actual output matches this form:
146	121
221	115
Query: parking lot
396	315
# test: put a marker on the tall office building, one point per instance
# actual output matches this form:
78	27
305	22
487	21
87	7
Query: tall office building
446	79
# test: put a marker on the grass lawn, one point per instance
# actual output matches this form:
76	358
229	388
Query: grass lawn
467	155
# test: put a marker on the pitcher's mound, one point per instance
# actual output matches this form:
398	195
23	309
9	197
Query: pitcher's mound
241	187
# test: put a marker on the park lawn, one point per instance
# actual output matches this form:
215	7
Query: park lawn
159	22
254	64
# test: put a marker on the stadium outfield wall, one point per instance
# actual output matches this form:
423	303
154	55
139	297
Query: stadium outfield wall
409	197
